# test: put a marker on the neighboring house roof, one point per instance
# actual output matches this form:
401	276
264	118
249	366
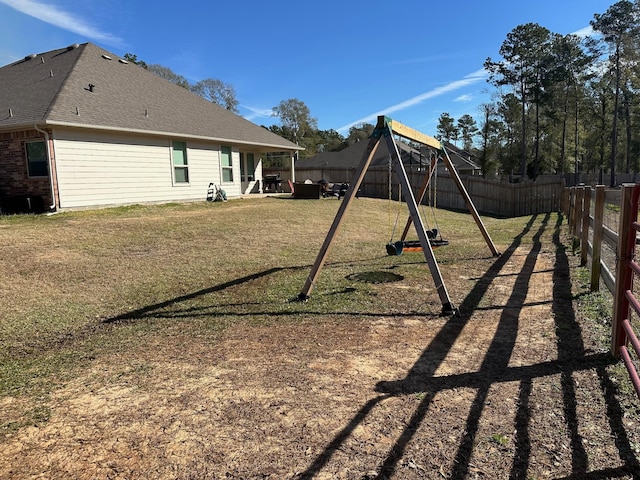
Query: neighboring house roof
350	157
462	159
87	87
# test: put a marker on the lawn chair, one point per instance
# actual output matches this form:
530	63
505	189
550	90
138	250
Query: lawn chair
216	194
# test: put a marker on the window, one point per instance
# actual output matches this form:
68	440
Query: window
226	162
251	167
180	165
37	159
247	168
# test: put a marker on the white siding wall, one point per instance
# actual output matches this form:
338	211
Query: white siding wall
233	189
108	169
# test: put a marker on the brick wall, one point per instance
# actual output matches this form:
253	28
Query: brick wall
14	177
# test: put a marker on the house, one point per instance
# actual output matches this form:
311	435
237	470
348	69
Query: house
340	166
80	127
464	162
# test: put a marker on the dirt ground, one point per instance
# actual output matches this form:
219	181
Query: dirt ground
512	388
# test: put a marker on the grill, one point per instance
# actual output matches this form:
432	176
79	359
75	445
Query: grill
272	183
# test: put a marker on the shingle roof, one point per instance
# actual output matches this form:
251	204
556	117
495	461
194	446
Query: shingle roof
462	159
53	88
351	156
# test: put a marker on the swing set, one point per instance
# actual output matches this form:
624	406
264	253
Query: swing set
435	237
385	129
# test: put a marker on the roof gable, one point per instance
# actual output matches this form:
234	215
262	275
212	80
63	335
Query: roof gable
86	86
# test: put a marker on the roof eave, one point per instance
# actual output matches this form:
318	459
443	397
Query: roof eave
20	126
274	147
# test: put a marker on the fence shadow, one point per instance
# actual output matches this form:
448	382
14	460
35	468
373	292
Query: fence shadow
572	357
495	369
570	349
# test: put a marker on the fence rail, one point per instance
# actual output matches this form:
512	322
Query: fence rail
625	302
587	224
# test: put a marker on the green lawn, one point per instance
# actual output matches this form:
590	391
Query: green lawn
82	284
167	341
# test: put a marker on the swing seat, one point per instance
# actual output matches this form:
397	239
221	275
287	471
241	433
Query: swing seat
397	248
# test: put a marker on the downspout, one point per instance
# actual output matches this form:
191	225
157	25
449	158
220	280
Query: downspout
53	206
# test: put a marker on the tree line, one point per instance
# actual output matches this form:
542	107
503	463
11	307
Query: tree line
212	89
296	122
564	103
561	103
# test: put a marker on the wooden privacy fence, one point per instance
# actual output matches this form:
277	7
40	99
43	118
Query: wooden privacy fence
501	199
490	197
587	220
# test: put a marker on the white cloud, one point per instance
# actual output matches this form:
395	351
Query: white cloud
464	98
583	32
257	112
8	57
55	16
436	92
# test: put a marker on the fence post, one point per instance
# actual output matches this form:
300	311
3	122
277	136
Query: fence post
579	209
572	210
596	250
584	240
624	274
565	201
577	216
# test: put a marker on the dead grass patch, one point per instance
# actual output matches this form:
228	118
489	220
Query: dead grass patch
163	342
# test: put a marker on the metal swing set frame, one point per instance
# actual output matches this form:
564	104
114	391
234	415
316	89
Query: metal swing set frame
385	129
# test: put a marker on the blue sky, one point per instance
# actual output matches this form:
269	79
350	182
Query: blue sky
347	60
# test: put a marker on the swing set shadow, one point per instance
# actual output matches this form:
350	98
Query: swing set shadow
154	309
169	308
495	369
572	357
